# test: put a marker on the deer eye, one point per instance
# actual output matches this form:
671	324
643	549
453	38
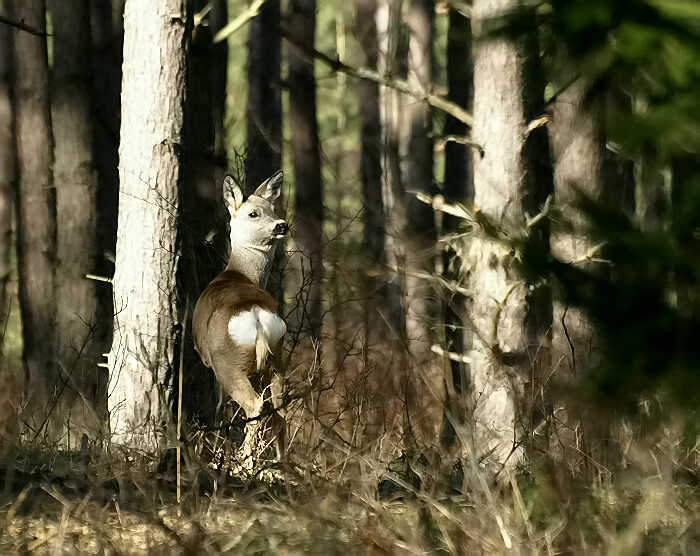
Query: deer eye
253	214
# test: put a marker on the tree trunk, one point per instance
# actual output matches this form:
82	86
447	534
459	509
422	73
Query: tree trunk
36	216
306	158
371	136
264	115
458	188
148	309
80	318
7	173
205	242
419	234
510	179
264	110
578	146
217	19
107	29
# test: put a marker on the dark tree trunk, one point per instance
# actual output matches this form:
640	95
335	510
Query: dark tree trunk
7	173
371	136
106	22
217	19
204	219
264	110
306	158
264	115
458	188
36	214
82	325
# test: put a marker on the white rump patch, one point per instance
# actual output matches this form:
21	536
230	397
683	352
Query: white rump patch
243	327
272	324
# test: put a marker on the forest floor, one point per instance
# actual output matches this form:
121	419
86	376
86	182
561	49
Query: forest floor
60	507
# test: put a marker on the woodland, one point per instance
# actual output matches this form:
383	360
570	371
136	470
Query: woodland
490	284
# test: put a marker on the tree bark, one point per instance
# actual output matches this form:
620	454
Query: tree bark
82	323
578	146
393	60
371	136
148	309
264	110
306	158
36	217
7	173
107	28
205	242
264	115
217	19
458	188
419	234
510	179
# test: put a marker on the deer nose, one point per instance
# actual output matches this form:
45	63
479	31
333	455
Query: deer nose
280	229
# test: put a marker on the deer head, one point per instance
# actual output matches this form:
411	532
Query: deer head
255	228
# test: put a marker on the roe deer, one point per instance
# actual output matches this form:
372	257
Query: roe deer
235	322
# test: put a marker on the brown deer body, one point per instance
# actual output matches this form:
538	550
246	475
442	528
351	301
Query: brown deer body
235	324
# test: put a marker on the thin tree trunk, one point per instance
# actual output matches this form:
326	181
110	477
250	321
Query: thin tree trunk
458	188
578	146
264	115
393	60
217	19
509	320
306	158
147	305
419	235
81	322
106	23
7	173
36	215
264	110
205	242
371	136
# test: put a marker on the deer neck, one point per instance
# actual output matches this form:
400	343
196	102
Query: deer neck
252	261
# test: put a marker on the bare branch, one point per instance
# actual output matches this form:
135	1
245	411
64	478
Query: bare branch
22	26
400	85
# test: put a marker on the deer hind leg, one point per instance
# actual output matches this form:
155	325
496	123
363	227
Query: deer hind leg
236	384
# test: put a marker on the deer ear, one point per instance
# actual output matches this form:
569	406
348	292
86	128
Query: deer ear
271	188
233	196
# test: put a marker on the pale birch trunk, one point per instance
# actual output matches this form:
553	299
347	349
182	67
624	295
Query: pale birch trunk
507	317
147	321
36	218
393	61
82	323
